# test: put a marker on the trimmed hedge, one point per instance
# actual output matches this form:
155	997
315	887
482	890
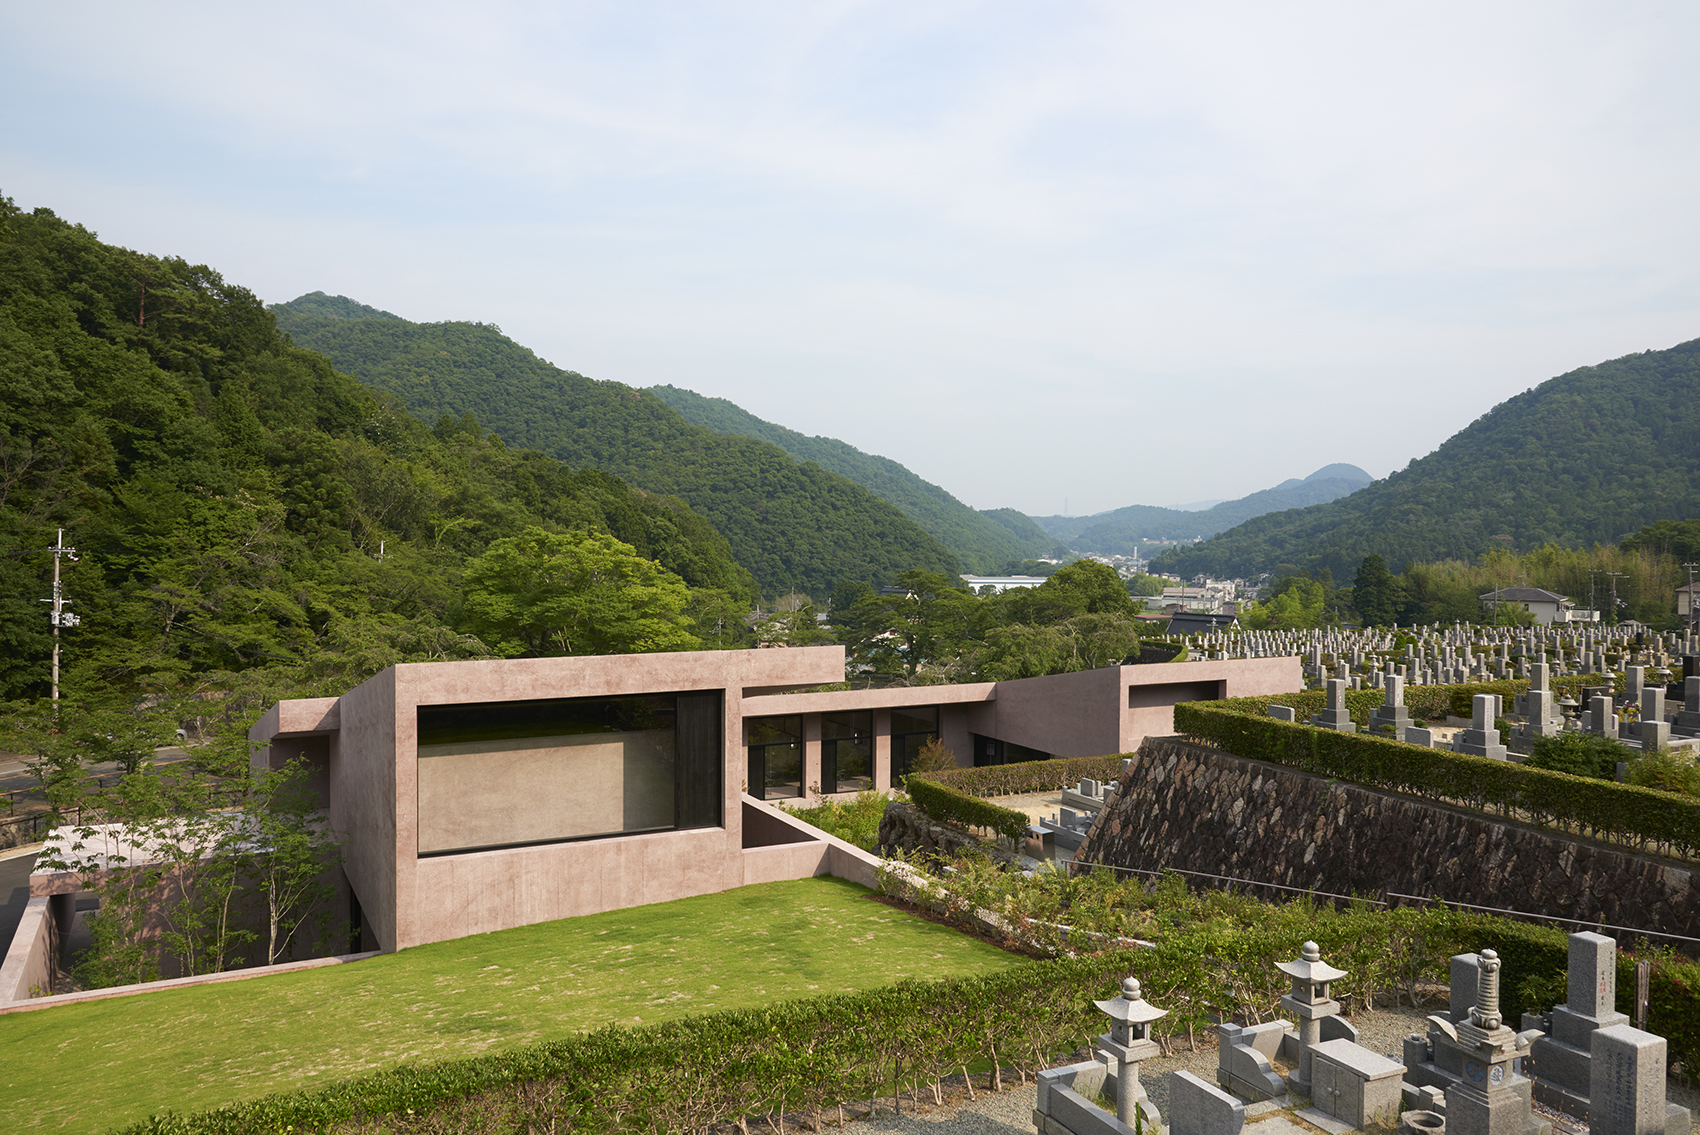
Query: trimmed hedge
686	1075
1622	812
949	806
1028	776
820	1051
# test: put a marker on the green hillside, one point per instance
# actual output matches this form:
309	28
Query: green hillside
1119	531
1591	455
982	542
240	507
794	525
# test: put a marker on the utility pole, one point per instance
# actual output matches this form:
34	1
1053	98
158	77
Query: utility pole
1614	576
1690	592
60	616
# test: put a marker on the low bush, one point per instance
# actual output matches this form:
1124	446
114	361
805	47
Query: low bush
856	821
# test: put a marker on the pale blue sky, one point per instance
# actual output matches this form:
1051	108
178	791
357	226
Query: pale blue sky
1114	252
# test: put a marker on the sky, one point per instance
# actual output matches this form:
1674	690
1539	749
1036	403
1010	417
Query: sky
1058	256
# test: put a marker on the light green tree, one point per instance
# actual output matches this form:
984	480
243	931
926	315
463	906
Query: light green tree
547	593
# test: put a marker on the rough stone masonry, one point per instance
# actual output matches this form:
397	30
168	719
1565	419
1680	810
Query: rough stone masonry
1196	808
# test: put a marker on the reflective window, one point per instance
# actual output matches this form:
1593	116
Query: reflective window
509	774
775	757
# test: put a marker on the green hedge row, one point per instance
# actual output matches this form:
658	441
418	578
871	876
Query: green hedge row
686	1075
1028	776
1623	812
949	806
822	1051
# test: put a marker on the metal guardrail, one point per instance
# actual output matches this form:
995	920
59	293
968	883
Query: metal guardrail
1523	914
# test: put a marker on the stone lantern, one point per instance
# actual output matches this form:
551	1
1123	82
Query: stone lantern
1309	1002
1127	1043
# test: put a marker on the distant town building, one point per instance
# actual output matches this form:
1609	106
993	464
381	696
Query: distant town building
1546	606
1001	583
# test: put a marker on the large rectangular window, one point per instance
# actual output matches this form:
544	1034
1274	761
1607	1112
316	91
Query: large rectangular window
775	757
510	774
911	728
847	751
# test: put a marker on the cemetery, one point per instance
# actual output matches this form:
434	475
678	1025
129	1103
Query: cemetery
1469	1073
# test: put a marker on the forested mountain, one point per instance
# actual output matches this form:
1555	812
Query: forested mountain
794	525
241	507
1591	455
982	542
1119	531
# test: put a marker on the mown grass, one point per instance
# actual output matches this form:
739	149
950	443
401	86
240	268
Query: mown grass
96	1065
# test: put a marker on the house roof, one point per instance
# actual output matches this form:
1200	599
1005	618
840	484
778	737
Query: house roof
1524	595
1186	622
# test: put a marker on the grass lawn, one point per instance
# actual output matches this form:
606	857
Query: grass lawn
92	1066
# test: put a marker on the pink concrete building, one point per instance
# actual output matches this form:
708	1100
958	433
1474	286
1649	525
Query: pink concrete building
477	796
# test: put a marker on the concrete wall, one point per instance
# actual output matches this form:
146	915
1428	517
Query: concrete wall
1066	715
374	785
366	795
30	963
369	738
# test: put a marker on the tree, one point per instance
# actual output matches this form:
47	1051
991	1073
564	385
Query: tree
1295	602
1375	593
286	854
898	634
544	593
1085	587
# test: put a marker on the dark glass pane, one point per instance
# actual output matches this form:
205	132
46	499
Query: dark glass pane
922	719
553	717
782	776
904	750
853	724
516	773
853	765
773	730
700	782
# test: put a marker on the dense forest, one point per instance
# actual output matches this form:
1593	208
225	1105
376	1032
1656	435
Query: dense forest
795	526
1589	456
245	515
984	542
1635	579
1119	531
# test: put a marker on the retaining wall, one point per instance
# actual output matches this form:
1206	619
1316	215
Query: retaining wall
1196	808
905	827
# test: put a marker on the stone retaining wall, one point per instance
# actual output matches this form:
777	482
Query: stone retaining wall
1196	808
906	828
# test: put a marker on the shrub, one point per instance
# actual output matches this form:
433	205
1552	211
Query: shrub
949	806
1029	776
934	757
856	821
1579	754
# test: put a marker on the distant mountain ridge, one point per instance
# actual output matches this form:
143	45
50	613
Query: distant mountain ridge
1119	531
1592	455
983	541
795	526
